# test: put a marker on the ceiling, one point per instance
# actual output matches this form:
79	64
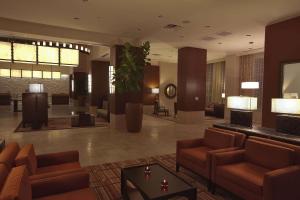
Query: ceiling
222	27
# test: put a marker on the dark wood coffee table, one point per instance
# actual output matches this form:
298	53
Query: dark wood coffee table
150	187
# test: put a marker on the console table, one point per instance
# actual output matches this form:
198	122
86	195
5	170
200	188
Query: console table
261	132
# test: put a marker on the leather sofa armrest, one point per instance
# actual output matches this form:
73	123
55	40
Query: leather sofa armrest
57	158
59	184
184	144
282	184
228	157
223	157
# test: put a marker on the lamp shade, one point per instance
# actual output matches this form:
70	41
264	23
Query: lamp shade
287	106
36	88
242	102
250	85
155	90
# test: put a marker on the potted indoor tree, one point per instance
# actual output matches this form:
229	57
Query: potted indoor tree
128	79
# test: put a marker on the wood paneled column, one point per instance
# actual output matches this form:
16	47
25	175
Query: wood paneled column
191	84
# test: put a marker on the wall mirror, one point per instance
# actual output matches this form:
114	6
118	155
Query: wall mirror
170	91
290	87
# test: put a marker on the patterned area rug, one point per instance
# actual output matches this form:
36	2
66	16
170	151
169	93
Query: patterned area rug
105	179
59	124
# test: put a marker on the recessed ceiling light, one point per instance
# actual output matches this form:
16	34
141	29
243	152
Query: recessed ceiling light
85	0
248	35
160	16
139	29
76	18
250	48
207	26
181	36
186	21
251	42
220	43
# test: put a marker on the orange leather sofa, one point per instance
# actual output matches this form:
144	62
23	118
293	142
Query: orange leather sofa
196	154
40	166
17	185
264	170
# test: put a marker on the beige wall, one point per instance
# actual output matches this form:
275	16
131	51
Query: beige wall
167	75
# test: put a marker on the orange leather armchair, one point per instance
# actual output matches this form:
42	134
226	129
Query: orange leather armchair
17	185
196	154
262	171
54	163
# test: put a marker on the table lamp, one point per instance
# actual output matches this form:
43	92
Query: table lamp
155	91
288	120
241	109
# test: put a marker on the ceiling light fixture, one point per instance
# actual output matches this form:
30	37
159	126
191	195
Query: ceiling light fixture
251	42
33	43
57	44
64	44
76	47
81	48
76	18
186	21
38	43
44	43
248	35
160	16
50	44
207	26
71	46
220	43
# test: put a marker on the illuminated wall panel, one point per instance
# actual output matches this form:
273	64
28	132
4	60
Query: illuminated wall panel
26	73
56	75
48	55
37	74
5	51
24	53
47	74
16	73
4	72
69	57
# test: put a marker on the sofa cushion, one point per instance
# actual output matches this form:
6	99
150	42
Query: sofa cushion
268	155
3	174
8	155
17	185
245	174
60	167
86	194
27	157
218	140
197	155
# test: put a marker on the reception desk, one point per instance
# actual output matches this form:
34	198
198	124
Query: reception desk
261	132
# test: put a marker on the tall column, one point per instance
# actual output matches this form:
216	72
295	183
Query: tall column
191	84
116	102
232	80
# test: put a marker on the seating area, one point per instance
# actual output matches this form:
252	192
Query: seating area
25	175
251	168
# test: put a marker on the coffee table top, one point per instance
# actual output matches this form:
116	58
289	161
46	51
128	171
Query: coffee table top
151	186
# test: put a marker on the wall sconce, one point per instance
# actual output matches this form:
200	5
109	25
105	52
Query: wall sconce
155	90
287	121
242	107
250	85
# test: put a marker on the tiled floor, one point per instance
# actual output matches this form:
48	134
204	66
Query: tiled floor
100	145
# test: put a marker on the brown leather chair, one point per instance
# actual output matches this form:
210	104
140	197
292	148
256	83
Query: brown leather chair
263	170
8	155
196	154
40	166
17	185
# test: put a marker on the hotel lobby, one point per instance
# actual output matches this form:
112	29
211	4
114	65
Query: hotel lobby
114	100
